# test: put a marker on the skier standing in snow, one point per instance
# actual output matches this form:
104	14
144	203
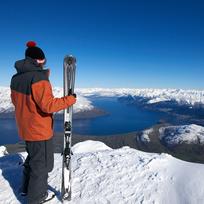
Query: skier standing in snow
32	96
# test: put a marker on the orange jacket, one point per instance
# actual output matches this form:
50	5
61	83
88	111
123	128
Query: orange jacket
31	94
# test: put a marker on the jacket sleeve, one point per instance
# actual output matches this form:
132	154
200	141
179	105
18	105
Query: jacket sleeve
43	97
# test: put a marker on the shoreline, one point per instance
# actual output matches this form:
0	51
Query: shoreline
114	141
186	152
86	114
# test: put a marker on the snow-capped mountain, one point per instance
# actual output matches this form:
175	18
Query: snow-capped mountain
191	97
83	104
122	176
177	134
188	134
5	101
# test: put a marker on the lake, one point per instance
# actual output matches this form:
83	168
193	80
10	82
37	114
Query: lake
122	118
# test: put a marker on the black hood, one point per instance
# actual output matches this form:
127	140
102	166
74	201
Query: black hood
27	65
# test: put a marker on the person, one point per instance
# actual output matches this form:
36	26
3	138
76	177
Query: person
31	94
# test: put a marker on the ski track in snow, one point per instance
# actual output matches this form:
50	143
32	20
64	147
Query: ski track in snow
121	176
191	97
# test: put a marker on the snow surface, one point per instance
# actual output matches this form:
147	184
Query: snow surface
89	146
189	134
121	176
145	135
5	101
3	151
190	97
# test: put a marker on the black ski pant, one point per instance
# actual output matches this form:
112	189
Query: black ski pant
39	162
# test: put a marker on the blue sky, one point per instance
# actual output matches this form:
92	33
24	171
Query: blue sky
117	43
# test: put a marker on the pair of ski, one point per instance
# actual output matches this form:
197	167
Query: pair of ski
69	67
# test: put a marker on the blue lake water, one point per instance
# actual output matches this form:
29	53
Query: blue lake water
122	118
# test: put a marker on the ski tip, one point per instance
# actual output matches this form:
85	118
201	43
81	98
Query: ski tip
70	59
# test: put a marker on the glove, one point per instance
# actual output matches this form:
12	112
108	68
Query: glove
75	96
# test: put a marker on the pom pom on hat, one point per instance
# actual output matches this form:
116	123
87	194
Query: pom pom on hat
31	44
33	51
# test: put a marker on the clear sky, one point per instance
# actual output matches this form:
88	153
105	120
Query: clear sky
117	43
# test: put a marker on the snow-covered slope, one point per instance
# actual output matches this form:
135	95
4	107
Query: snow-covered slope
190	97
3	151
5	101
145	135
189	134
89	146
122	176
